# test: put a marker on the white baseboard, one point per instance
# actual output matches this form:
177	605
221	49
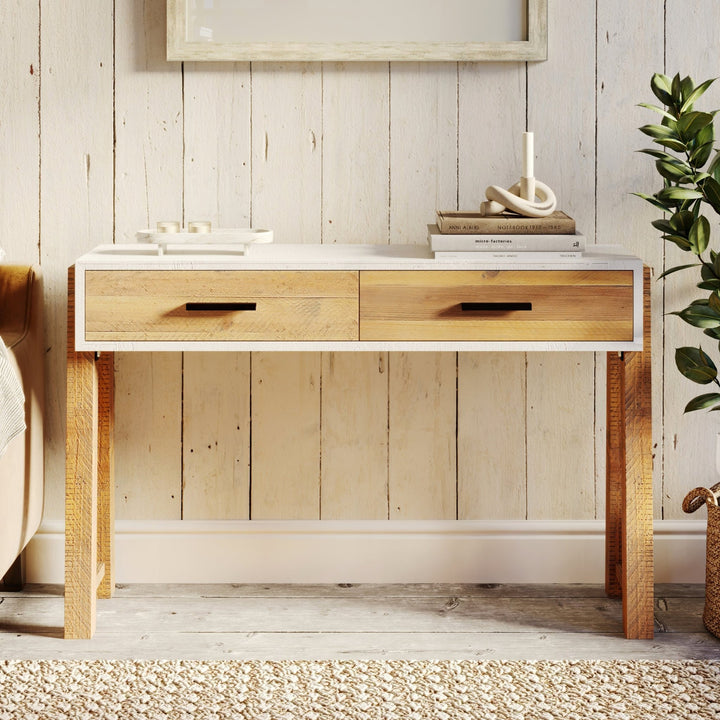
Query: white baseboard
370	552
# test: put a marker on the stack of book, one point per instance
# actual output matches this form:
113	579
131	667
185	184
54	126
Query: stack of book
459	235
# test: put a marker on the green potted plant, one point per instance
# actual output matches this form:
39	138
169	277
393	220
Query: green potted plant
689	167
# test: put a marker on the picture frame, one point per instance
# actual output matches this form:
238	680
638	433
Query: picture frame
318	30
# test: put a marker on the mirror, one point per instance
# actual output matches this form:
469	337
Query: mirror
307	30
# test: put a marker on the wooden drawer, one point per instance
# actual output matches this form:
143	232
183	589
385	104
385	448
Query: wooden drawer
500	305
220	305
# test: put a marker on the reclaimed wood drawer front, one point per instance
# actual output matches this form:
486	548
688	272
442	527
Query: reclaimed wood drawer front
499	305
224	305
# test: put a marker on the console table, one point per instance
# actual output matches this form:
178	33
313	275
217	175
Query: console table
355	298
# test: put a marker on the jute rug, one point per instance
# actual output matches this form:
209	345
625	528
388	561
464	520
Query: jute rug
316	690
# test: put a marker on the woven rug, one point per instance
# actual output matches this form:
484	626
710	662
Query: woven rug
316	690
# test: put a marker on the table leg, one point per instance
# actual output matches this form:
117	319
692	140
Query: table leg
629	514
88	482
106	470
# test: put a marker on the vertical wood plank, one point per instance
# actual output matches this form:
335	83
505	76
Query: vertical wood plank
423	177
689	450
216	436
629	50
354	436
355	152
286	197
106	472
637	551
80	483
423	147
148	188
148	387
20	131
216	386
422	436
491	119
285	436
561	449
286	149
355	204
561	426
491	476
615	471
76	205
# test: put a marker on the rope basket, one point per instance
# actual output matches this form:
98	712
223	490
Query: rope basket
694	500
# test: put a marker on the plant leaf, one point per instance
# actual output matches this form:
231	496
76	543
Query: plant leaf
695	365
675	193
652	201
664	226
701	154
700	316
702	401
675	269
691	124
662	88
699	235
695	94
711	190
660	132
673	144
673	169
657	109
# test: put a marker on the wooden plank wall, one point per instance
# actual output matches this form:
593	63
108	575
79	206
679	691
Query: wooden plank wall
100	136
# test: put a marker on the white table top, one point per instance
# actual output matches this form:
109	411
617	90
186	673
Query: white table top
275	256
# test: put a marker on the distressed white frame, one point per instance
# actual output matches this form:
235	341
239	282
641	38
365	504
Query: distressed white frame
532	49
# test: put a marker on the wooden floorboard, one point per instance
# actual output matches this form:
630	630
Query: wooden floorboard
356	621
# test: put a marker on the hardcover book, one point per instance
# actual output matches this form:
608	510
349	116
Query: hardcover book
557	223
442	242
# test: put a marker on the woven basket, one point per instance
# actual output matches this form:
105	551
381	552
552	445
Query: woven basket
696	499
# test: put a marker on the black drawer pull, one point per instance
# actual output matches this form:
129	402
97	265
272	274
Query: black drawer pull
495	306
223	306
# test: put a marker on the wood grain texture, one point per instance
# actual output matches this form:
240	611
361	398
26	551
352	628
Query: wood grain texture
422	481
106	472
286	125
20	132
560	452
615	471
148	462
354	436
423	146
216	436
81	486
427	305
356	169
637	548
152	305
76	188
285	456
491	449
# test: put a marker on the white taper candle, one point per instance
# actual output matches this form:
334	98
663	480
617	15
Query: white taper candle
528	170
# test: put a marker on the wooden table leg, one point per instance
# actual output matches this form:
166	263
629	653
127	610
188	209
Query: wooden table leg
89	484
81	444
106	471
629	515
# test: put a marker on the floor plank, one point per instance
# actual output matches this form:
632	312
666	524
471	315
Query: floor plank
356	621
